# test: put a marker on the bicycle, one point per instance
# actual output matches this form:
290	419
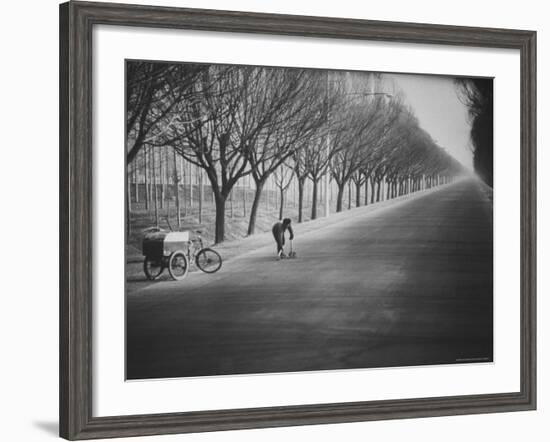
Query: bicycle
205	258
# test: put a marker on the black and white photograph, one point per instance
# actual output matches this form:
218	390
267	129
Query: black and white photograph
283	219
266	221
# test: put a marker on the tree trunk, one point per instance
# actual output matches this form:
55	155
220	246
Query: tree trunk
129	190
300	199
389	190
177	188
281	203
161	173
200	199
152	177
244	196
266	196
349	195
155	191
372	190
293	192
378	191
357	194
181	182
314	199
254	208
220	218
190	174
276	200
135	176
366	191
147	189
340	196
128	212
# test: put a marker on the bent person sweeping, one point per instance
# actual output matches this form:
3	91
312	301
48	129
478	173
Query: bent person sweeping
279	230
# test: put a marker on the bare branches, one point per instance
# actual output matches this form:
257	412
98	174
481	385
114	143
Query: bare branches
153	90
234	121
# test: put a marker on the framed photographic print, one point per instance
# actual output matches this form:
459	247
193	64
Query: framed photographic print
271	220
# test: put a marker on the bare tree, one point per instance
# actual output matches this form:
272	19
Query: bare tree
177	178
152	92
218	131
317	157
359	128
283	177
155	187
233	122
300	111
359	178
300	171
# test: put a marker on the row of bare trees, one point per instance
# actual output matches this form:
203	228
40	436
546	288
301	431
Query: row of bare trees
278	125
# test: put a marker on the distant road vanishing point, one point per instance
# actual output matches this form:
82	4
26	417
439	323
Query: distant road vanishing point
408	284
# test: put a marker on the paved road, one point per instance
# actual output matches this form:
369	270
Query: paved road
408	284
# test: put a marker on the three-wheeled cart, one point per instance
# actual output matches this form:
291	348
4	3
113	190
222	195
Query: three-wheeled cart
165	250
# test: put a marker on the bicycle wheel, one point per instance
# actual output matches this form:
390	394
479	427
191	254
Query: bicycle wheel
152	268
178	265
208	260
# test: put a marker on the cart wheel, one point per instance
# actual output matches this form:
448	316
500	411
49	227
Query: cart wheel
152	268
178	265
208	260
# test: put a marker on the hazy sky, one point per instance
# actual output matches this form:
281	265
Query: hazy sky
439	111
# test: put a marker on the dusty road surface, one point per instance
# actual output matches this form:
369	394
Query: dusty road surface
408	284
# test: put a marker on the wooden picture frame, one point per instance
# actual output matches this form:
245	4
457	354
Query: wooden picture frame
76	22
